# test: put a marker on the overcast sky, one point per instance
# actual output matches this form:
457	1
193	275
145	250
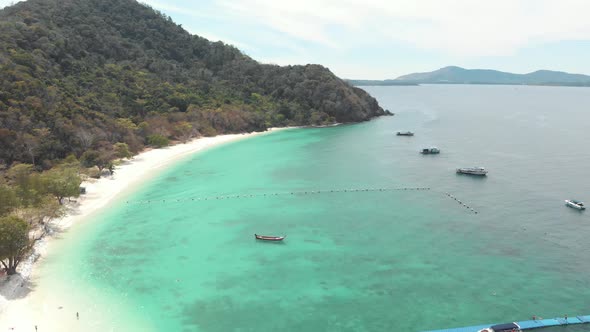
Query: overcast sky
380	39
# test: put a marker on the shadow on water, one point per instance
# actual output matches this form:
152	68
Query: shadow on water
263	242
472	177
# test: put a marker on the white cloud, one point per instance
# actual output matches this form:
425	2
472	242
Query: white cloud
213	37
460	27
279	17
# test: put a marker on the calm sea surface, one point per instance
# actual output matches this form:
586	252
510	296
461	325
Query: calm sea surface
358	261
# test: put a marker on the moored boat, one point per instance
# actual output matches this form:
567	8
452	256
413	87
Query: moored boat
508	327
405	133
431	150
269	238
575	204
472	170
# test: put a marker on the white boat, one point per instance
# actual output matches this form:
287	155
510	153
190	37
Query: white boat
508	327
472	170
432	150
575	204
405	133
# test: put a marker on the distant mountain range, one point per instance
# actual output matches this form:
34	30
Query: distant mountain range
458	75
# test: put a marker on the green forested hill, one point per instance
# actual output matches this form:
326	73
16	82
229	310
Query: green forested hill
83	75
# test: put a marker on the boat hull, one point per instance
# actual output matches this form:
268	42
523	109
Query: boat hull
472	173
430	151
479	171
269	238
574	205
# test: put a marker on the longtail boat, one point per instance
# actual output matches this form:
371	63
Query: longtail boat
269	238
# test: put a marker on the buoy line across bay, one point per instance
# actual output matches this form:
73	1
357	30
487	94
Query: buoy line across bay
287	193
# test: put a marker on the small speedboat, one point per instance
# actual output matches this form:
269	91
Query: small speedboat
575	204
269	238
432	150
472	170
508	327
405	133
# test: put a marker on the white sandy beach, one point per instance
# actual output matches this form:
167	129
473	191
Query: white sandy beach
22	307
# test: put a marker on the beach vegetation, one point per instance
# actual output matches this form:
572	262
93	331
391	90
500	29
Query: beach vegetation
111	167
40	216
27	185
91	172
158	141
71	161
122	150
61	182
34	198
15	243
8	199
89	158
32	195
97	158
183	131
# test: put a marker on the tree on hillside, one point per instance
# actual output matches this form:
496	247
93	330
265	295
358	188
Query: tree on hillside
32	142
14	242
85	138
183	131
89	158
40	216
62	182
27	185
99	158
33	202
8	199
122	150
157	141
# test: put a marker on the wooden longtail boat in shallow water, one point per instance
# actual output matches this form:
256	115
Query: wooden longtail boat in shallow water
269	238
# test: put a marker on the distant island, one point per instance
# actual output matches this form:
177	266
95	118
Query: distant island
458	75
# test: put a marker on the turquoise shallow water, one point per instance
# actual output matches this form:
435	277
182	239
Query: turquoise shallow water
360	261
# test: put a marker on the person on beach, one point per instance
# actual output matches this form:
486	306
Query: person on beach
77	316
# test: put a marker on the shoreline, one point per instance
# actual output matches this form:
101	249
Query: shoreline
15	309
